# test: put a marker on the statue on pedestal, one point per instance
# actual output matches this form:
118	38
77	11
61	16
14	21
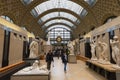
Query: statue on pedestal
93	46
115	44
48	41
70	47
33	49
103	57
35	64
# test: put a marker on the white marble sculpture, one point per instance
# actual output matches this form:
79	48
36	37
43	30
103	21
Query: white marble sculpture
36	67
93	46
33	49
115	44
48	41
35	64
70	47
103	57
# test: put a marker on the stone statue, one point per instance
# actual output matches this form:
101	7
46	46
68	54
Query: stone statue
35	64
70	47
115	44
93	46
48	41
33	49
103	57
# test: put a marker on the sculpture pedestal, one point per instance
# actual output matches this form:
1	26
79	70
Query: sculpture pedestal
103	62
35	74
72	58
116	66
94	59
107	71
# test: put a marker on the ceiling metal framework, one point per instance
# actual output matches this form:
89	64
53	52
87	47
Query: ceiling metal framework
58	27
45	28
59	18
32	5
59	21
82	3
55	28
56	10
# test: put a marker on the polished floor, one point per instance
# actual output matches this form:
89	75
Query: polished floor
77	71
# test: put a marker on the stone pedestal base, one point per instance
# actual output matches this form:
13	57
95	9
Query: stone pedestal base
116	66
94	59
72	59
27	74
104	62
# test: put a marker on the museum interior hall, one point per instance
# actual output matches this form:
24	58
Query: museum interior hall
59	39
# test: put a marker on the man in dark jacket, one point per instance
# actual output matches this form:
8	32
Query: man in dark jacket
49	59
64	59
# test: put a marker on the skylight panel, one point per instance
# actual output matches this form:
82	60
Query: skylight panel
58	21
26	2
62	14
91	2
51	4
59	26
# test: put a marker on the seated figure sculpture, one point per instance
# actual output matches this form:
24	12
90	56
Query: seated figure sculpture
115	44
93	46
33	49
103	57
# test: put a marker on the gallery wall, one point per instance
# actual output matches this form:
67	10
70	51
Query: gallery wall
16	48
1	45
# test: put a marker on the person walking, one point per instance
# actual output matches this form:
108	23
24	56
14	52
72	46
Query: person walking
64	60
49	59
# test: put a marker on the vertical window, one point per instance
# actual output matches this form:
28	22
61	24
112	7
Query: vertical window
59	31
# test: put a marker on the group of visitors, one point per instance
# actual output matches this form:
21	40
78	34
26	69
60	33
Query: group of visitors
62	53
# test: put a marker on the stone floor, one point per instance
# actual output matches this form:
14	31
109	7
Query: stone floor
77	71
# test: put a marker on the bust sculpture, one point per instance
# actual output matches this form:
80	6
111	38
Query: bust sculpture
103	57
115	44
93	46
33	49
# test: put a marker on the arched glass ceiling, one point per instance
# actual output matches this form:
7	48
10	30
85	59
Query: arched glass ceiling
55	14
58	26
66	4
26	2
59	21
91	2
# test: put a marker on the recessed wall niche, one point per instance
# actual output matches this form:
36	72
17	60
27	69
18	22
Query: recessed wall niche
15	49
1	45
